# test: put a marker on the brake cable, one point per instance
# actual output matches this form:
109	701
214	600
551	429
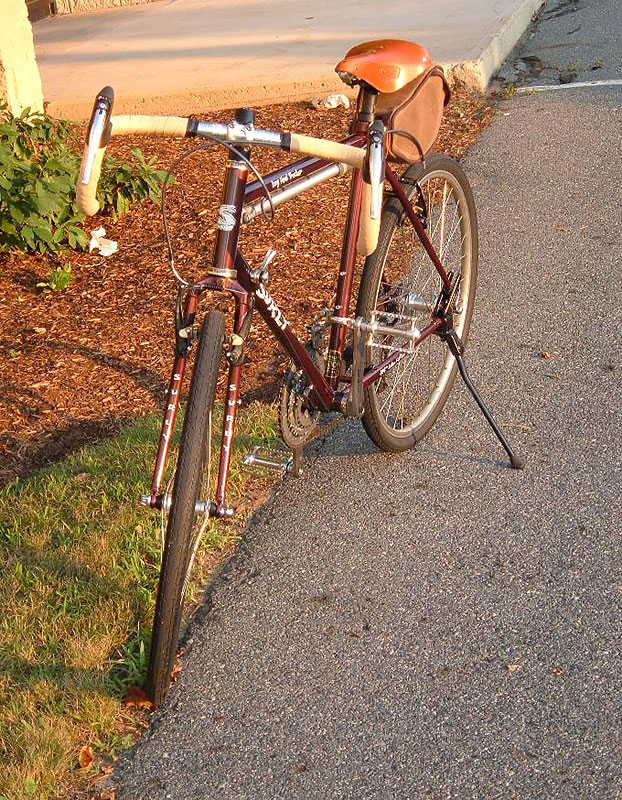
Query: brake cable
413	139
183	283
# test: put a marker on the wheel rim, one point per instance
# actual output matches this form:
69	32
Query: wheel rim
408	394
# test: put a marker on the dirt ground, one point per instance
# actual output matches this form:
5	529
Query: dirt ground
75	364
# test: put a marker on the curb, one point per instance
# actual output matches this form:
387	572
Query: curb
199	100
477	74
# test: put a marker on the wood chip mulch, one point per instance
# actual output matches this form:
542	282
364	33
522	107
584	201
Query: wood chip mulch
76	364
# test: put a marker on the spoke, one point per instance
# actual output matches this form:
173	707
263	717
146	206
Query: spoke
405	393
442	237
405	382
455	224
395	373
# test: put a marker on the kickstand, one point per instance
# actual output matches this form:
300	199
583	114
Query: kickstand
456	346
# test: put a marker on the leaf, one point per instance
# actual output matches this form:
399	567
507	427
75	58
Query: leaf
8	227
28	236
136	698
17	214
45	235
514	667
85	756
80	236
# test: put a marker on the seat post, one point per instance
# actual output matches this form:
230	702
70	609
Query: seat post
365	108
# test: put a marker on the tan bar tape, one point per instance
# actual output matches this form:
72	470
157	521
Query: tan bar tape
85	192
331	151
124	123
369	228
149	126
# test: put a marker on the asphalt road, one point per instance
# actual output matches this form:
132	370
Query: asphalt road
436	624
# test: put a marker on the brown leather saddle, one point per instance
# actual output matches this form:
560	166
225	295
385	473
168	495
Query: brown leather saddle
412	92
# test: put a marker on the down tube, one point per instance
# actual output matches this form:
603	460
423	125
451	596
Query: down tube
280	327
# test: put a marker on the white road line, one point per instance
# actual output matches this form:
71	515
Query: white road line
577	85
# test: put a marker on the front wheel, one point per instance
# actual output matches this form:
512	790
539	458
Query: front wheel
184	525
399	287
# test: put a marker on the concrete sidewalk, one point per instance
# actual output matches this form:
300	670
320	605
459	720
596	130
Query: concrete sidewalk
183	56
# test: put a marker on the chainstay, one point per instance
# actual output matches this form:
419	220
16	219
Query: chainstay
323	430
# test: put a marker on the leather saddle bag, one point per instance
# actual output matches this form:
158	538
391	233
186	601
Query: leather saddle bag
416	108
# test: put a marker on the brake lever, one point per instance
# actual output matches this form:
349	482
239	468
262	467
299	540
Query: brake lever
375	165
98	131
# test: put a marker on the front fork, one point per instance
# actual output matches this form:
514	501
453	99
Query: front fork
221	276
184	319
234	353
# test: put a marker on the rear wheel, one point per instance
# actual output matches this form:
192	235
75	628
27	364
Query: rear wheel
184	523
399	287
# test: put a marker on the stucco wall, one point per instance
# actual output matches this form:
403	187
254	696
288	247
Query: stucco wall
20	82
3	93
73	6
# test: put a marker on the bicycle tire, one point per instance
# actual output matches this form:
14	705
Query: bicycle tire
399	274
181	536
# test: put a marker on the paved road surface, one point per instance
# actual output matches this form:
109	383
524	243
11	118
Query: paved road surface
435	624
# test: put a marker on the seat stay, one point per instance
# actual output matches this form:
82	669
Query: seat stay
417	225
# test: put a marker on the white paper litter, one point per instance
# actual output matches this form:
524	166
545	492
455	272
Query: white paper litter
332	101
105	247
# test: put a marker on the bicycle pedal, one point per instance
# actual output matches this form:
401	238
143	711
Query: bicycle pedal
268	460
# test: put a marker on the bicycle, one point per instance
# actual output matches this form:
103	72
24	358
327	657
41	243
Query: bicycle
392	363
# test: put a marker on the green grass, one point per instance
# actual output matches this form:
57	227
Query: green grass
80	565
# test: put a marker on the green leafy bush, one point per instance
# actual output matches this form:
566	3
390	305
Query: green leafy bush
123	183
39	161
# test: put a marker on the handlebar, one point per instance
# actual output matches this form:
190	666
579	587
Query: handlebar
103	125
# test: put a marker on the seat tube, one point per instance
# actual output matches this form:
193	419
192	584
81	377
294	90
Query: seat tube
366	105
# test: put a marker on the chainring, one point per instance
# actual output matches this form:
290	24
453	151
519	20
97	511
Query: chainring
298	423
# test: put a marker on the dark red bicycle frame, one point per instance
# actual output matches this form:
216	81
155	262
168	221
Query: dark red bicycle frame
232	274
